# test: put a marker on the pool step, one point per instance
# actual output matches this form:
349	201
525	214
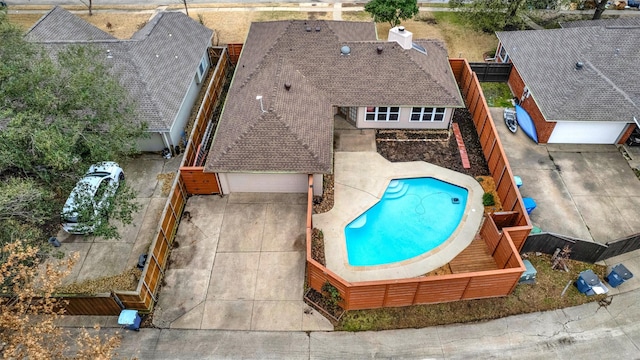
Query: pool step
394	185
396	193
359	222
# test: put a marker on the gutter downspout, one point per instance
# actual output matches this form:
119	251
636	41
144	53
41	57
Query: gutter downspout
166	141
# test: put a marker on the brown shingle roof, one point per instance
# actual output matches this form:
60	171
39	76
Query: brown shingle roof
296	135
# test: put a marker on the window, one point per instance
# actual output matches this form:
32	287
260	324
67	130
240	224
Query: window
504	57
201	69
353	113
382	113
427	114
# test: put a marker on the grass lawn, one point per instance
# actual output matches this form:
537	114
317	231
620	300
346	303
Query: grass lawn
546	294
497	94
233	26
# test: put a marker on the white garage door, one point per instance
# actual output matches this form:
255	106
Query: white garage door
288	183
586	132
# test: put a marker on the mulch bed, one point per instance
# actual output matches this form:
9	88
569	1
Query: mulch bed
324	305
437	148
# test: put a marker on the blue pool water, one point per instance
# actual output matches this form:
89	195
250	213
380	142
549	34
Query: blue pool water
414	216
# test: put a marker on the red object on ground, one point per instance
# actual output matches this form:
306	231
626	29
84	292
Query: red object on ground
461	148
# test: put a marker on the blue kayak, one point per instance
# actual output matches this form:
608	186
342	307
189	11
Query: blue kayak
526	124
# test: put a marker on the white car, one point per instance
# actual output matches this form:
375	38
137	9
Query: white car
85	207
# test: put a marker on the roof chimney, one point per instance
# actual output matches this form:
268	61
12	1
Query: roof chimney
401	36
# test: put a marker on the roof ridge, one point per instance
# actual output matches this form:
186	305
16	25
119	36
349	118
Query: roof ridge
306	146
143	81
573	88
266	54
42	19
427	73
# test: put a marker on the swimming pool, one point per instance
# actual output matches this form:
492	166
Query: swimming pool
414	216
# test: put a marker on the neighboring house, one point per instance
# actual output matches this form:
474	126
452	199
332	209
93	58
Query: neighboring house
294	76
580	84
162	66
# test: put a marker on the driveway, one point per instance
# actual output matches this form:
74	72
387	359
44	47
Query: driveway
587	192
238	263
100	257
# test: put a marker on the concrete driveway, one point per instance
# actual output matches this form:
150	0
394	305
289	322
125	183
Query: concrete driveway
583	191
238	264
100	257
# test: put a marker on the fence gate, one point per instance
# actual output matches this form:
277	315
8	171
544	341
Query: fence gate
491	72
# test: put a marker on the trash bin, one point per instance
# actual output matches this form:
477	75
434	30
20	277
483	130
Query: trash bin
529	204
618	275
130	319
518	181
529	275
588	283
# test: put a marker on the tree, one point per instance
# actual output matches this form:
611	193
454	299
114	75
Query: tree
28	310
392	11
61	110
89	5
186	9
601	6
491	15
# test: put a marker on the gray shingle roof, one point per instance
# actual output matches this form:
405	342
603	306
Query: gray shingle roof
61	25
625	21
156	66
296	135
605	89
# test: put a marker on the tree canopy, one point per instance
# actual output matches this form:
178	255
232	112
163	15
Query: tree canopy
61	110
491	15
392	11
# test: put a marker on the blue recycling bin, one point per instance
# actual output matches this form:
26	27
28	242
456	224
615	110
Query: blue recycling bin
588	283
518	181
130	319
529	204
618	275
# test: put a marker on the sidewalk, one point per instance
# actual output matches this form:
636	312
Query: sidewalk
587	331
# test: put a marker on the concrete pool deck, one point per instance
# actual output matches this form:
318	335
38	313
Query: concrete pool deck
360	181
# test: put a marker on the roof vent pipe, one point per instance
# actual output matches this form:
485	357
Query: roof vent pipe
579	65
287	86
401	28
345	50
379	49
308	28
317	28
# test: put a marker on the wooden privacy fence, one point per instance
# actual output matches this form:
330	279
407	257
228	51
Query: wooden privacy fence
491	72
503	240
234	52
98	304
581	250
427	289
144	297
519	225
192	171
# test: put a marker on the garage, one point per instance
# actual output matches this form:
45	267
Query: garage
278	183
573	132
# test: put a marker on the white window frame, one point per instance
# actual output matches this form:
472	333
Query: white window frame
427	114
503	58
380	115
201	69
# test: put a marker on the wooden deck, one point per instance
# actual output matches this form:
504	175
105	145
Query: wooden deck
475	257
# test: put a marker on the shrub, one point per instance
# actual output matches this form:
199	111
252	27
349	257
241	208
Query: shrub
488	200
